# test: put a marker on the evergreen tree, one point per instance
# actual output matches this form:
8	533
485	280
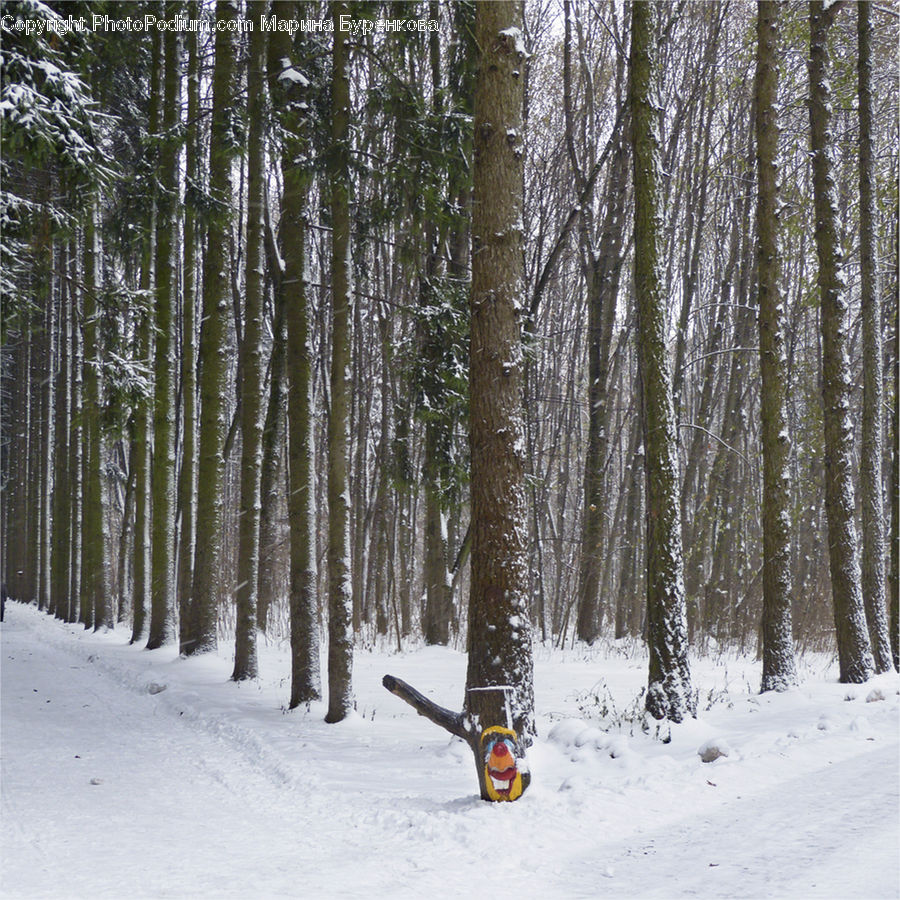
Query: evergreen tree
201	635
94	610
287	86
187	489
245	662
162	477
499	640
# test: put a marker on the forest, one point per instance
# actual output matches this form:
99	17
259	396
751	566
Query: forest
483	325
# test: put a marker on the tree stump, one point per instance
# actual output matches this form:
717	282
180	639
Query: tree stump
499	752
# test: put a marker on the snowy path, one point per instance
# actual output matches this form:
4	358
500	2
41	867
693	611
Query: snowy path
795	840
177	812
207	790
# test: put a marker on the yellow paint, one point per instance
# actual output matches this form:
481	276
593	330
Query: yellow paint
502	760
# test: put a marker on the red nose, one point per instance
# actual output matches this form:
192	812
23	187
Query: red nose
500	749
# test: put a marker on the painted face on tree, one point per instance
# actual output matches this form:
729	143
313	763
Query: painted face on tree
501	757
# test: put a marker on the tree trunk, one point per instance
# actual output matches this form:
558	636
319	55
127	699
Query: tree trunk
340	602
209	556
779	670
894	582
141	414
162	476
503	773
18	465
45	444
245	660
187	487
669	692
60	552
288	94
499	686
94	588
437	613
871	449
76	439
854	652
603	289
273	441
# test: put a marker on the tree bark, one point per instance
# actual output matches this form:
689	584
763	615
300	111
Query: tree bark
60	552
162	476
245	658
779	670
871	449
142	350
304	613
187	487
94	564
209	557
854	652
273	443
894	582
499	627
340	602
603	288
669	691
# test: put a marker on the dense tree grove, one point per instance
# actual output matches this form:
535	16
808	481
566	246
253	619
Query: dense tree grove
401	321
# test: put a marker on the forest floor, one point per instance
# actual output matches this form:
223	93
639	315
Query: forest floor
133	773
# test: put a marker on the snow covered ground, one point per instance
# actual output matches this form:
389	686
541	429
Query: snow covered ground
128	773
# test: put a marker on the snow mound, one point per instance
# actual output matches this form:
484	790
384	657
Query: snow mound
577	739
713	749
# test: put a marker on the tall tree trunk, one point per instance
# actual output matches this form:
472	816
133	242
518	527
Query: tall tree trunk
499	640
141	414
273	441
871	449
603	288
76	437
187	488
381	520
245	661
438	613
209	556
162	475
45	442
18	465
94	589
894	591
60	552
854	652
340	603
669	692
288	96
779	670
